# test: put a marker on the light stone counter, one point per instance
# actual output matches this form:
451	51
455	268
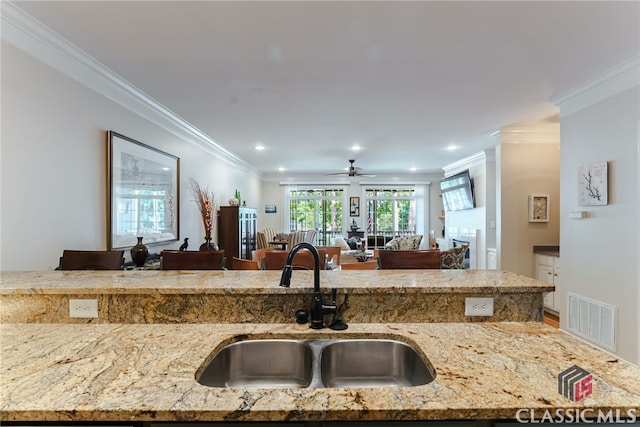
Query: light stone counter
137	372
266	282
255	297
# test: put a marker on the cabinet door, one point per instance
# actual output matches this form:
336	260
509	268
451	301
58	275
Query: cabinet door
544	273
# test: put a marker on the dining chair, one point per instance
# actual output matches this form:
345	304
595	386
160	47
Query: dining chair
258	254
192	260
91	260
295	237
388	259
365	265
265	236
244	264
303	260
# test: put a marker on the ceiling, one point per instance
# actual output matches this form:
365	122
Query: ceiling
308	80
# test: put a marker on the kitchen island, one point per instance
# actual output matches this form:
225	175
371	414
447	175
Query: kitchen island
143	367
134	372
378	296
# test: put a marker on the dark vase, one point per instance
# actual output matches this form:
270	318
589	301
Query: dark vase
208	245
139	253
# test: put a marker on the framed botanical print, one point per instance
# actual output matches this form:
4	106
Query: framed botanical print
593	183
538	208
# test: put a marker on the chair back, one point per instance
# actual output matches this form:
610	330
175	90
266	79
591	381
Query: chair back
365	265
258	254
244	264
192	260
91	260
265	236
333	253
302	260
310	235
409	259
296	237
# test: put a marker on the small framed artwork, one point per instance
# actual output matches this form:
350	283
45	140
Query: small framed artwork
592	181
354	206
538	208
270	209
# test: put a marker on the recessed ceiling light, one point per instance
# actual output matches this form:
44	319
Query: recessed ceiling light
281	169
413	168
259	147
356	147
451	147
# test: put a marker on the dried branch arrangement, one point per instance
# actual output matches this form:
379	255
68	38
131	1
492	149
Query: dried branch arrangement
206	203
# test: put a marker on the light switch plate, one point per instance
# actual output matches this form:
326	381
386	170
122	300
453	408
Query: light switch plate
85	308
478	306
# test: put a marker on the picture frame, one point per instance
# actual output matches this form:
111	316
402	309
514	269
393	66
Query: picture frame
270	209
538	208
354	206
143	193
593	184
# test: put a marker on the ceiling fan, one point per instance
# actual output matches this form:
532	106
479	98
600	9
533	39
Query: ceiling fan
353	171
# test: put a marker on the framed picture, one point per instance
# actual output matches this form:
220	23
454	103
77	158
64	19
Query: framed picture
538	208
354	206
593	183
143	198
270	209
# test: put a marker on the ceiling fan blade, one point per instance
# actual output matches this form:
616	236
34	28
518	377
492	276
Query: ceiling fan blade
337	173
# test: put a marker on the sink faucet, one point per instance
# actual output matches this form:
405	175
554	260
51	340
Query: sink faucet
319	309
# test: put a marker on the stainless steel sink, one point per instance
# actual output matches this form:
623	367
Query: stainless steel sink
372	363
321	363
260	363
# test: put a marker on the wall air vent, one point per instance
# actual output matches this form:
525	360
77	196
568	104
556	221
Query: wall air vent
592	320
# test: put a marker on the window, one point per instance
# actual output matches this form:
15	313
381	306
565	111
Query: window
391	212
143	210
316	208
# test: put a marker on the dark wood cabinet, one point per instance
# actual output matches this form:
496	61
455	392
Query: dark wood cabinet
237	231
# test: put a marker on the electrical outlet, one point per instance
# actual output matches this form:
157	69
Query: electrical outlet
86	308
478	306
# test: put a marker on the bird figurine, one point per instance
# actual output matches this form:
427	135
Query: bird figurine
185	245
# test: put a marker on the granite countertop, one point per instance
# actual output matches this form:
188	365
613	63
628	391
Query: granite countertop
111	372
266	282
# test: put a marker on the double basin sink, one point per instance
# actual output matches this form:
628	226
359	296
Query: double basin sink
319	363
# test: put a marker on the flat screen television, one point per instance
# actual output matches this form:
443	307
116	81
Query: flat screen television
457	192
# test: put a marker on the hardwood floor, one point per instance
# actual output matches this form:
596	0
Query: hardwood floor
551	319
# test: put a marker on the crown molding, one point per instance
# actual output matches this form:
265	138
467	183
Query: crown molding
465	163
539	133
621	78
31	36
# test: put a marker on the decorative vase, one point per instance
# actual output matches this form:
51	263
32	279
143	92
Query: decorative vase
139	253
208	245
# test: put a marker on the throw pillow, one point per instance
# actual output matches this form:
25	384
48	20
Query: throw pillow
454	257
342	243
405	243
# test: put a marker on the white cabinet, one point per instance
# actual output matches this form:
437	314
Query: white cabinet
548	270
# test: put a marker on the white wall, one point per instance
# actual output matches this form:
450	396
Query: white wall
54	165
600	253
482	170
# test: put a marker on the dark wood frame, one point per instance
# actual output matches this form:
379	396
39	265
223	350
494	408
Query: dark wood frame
354	206
116	145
